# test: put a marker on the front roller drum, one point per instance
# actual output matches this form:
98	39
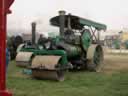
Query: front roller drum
23	59
48	74
44	67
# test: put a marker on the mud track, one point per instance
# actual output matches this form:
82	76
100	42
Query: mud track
115	63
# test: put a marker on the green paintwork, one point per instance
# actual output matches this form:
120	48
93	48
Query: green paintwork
98	56
86	39
126	44
61	53
72	47
73	50
91	23
116	44
78	22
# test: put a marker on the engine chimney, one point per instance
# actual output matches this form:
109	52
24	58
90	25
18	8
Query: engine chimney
33	33
62	22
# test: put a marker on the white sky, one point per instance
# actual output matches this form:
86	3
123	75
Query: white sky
113	13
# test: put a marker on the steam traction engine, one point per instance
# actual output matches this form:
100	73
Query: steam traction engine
76	47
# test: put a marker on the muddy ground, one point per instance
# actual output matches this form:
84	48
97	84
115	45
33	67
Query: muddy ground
115	63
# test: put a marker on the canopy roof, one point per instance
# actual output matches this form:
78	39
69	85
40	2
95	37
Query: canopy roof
78	22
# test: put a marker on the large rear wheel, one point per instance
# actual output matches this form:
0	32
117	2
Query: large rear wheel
94	63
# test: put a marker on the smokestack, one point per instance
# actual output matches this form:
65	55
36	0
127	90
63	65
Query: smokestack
69	21
62	22
33	33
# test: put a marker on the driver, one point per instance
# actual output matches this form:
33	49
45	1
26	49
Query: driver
42	40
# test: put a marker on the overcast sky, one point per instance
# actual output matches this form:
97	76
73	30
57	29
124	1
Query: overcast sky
113	13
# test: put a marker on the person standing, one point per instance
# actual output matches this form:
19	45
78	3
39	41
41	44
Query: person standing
7	58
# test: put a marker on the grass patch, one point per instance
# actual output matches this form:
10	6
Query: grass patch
76	84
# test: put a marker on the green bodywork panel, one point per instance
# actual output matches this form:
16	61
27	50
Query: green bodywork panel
86	39
116	44
61	53
75	50
97	54
126	44
90	23
78	22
